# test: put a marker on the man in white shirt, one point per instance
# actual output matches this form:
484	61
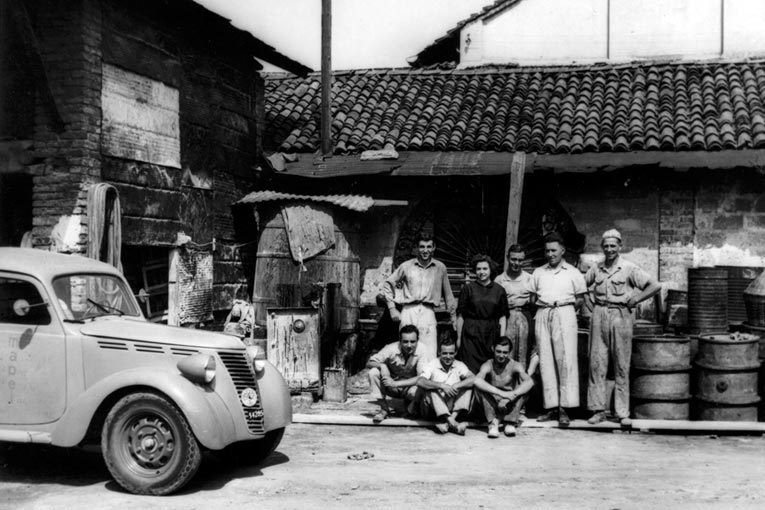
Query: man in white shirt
417	287
558	289
447	385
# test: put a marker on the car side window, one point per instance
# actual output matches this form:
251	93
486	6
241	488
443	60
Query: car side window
21	303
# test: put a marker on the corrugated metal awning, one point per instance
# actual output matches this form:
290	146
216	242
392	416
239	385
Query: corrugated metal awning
359	203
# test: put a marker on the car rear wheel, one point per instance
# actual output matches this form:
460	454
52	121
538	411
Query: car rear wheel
251	453
148	445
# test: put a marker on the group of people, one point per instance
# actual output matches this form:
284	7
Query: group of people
491	363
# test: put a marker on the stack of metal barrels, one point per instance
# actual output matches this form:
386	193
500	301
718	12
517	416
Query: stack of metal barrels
726	364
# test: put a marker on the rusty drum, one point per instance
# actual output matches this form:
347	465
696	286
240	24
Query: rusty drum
660	387
726	377
707	300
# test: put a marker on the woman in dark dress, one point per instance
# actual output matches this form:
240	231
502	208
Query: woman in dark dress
481	315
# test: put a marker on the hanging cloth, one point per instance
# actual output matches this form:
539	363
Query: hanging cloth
104	224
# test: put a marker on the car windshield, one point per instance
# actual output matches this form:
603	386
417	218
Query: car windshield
86	296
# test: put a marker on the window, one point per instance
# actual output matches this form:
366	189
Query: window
21	303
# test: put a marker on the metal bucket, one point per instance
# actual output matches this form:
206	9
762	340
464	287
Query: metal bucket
707	300
660	387
726	377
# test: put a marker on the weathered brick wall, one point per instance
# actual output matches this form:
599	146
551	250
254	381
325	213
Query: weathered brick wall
729	217
676	231
626	200
220	117
69	37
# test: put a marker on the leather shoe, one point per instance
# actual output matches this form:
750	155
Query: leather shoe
563	419
548	416
597	417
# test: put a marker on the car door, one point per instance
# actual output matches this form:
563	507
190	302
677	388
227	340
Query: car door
32	354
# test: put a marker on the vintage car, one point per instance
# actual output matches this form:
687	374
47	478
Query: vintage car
79	364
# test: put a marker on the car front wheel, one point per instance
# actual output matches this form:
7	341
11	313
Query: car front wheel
148	445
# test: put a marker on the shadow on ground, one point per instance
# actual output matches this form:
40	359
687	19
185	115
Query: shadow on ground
44	464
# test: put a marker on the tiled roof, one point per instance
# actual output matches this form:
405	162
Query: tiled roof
569	110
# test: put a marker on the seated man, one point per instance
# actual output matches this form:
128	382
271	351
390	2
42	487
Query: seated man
393	371
446	384
502	386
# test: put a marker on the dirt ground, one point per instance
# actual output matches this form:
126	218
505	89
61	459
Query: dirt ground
414	467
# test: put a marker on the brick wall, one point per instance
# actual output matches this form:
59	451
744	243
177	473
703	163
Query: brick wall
67	162
676	232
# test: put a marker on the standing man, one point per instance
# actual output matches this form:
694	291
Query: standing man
617	286
447	385
421	282
558	289
515	282
394	370
502	385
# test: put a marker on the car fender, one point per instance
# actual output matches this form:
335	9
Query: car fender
275	399
207	414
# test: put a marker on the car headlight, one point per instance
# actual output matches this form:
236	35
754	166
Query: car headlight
198	368
258	357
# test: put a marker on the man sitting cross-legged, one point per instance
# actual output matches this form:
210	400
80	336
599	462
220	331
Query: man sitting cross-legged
393	371
446	384
502	386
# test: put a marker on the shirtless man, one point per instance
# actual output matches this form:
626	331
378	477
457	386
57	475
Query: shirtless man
502	386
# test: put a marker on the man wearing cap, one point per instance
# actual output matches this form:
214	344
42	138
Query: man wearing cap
617	286
558	289
417	286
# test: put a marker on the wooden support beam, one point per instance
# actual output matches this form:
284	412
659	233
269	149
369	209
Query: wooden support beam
326	77
517	169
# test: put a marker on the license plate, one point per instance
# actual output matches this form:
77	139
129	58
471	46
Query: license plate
253	414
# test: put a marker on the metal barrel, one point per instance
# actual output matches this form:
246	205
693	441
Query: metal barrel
660	386
739	278
707	300
726	370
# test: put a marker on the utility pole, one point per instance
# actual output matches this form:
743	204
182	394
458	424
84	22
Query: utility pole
326	77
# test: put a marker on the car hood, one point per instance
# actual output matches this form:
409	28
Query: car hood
124	328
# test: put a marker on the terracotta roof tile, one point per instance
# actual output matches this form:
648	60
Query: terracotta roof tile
557	110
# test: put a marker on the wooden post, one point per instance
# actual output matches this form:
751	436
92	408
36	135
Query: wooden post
517	169
326	77
173	300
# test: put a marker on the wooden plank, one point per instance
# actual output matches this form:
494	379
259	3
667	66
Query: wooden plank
150	203
498	163
140	118
149	231
140	173
750	158
139	57
515	196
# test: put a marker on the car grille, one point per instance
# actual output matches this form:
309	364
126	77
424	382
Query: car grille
241	373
